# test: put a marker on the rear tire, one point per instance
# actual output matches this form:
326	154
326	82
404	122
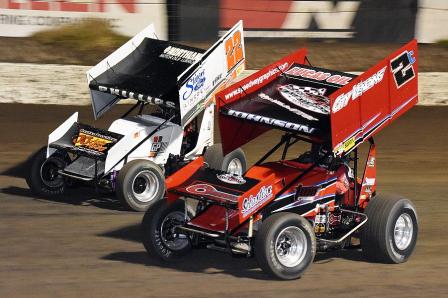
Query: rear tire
390	234
140	184
160	238
285	245
43	179
234	162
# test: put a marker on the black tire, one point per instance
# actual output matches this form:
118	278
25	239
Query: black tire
266	240
377	236
237	156
42	177
214	158
140	183
161	246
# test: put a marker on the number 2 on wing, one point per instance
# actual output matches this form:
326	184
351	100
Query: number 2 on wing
234	50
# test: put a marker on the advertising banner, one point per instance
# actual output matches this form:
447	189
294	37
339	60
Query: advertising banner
20	18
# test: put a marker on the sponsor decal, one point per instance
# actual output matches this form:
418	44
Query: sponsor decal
217	79
371	162
157	146
181	55
338	149
283	105
208	190
234	50
256	81
305	89
369	181
251	203
271	121
93	141
349	144
316	75
368	189
308	98
360	88
231	178
137	96
195	83
402	68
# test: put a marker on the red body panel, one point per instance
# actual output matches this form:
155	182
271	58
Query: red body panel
182	175
374	99
275	175
368	186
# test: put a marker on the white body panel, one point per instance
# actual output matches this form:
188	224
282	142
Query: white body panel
205	137
60	131
135	129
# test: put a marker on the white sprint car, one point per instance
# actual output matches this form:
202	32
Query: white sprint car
173	87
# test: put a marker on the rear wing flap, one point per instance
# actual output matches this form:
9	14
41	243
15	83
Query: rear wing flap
188	90
374	99
102	102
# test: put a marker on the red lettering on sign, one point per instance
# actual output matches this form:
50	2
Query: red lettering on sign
128	6
70	6
40	5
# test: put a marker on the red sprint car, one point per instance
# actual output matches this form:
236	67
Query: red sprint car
284	211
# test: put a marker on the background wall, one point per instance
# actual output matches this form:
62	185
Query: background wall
197	20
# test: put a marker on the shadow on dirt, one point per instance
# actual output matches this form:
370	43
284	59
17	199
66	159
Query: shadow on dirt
82	196
19	170
132	233
199	261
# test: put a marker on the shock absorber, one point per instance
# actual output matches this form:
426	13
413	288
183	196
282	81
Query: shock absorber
320	220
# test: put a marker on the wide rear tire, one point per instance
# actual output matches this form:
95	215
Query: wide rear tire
285	245
140	184
390	234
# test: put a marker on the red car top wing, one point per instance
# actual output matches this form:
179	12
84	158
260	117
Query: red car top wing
374	99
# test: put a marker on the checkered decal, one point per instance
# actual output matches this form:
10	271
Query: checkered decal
308	90
309	98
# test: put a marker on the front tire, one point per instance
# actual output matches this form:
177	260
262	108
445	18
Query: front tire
285	245
160	237
140	184
390	234
43	178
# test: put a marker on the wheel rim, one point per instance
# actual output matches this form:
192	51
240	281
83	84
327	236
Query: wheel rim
169	232
235	167
145	186
49	173
291	246
403	231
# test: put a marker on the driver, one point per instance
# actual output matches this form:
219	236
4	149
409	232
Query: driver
322	154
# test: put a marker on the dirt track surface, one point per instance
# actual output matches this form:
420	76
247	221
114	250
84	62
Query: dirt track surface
85	245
